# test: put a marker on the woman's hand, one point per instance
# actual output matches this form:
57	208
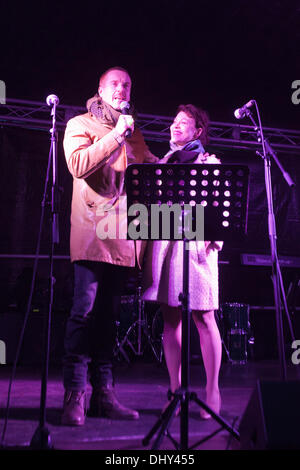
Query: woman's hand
209	158
211	246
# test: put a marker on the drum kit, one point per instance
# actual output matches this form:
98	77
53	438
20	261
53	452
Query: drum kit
140	329
144	334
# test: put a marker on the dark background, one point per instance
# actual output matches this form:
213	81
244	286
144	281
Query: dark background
217	55
211	53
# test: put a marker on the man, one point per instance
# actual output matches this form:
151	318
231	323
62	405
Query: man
97	153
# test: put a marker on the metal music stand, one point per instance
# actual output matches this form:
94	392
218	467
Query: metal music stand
223	192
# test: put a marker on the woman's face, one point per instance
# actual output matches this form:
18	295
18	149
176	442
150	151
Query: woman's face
183	129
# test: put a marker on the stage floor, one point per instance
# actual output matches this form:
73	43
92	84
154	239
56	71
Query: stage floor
140	385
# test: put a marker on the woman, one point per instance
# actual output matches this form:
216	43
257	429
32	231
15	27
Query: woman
163	269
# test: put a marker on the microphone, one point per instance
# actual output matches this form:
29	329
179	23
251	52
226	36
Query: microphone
52	99
125	109
242	112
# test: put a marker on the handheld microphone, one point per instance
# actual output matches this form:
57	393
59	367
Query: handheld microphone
242	112
125	109
52	99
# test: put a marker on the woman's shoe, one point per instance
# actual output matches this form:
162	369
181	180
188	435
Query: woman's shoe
214	403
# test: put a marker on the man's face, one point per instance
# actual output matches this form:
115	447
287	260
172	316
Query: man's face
183	129
115	88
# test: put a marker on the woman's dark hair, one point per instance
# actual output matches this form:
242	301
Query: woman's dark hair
201	119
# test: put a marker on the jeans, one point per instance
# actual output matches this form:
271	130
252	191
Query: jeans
91	327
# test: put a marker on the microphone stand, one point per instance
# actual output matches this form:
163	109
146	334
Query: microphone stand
41	438
278	287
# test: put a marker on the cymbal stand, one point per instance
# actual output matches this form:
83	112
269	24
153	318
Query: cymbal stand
138	331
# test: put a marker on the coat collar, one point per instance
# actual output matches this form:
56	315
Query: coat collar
102	110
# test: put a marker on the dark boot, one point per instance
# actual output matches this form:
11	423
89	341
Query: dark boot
105	403
74	408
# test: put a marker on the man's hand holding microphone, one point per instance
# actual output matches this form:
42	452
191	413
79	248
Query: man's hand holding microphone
125	124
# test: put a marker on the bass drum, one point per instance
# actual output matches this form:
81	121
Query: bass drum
157	326
127	314
154	319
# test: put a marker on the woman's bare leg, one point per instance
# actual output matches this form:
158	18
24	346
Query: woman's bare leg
172	343
211	349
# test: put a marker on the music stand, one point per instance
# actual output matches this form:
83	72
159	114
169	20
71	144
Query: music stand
222	190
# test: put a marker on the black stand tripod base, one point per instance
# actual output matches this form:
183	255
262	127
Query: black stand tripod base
183	398
163	421
41	440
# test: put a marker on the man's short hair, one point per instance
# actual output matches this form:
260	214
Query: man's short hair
201	119
110	70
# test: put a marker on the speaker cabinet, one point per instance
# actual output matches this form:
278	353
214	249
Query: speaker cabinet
272	416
